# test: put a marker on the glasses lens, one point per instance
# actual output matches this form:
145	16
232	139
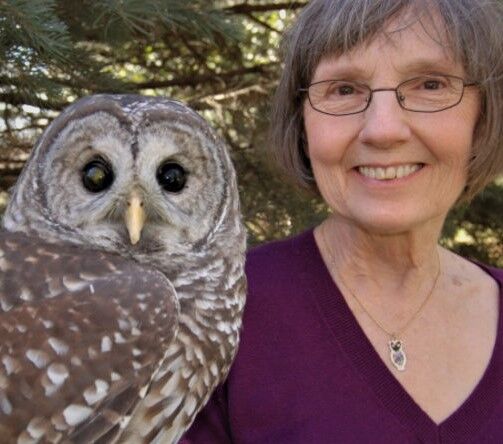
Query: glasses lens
430	93
338	97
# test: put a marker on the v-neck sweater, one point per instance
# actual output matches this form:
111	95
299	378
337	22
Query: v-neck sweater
305	371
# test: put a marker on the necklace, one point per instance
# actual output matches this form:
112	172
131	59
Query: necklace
395	344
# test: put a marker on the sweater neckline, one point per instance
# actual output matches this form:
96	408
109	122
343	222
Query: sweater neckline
465	422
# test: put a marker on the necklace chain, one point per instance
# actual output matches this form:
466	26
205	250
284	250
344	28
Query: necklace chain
398	357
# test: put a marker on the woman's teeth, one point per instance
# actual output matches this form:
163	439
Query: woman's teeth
391	172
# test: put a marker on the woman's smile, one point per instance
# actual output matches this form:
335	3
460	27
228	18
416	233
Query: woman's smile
391	172
390	178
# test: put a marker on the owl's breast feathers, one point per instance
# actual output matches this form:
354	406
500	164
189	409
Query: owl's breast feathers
83	334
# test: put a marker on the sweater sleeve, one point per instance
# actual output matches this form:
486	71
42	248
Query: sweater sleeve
211	425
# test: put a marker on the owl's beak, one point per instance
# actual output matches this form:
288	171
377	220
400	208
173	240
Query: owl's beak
135	216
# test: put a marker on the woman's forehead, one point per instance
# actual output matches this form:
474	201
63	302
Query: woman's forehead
409	48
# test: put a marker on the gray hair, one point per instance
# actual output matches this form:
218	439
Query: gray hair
334	27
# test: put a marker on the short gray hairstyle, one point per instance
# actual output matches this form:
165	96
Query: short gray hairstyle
334	27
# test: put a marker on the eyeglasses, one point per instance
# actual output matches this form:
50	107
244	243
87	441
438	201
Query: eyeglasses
424	94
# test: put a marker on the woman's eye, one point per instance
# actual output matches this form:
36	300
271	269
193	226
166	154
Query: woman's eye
432	84
338	89
345	90
97	176
171	177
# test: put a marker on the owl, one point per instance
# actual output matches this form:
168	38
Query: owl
122	279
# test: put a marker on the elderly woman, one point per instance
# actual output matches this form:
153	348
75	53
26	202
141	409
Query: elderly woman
364	329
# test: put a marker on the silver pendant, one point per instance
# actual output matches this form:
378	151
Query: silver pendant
397	354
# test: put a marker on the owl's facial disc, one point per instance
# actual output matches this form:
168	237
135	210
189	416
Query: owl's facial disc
152	186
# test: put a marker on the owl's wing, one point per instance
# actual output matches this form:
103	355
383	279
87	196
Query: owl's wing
81	335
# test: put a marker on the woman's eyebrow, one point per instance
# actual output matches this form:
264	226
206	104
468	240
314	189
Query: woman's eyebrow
345	71
446	66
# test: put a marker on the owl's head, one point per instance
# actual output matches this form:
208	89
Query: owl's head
130	174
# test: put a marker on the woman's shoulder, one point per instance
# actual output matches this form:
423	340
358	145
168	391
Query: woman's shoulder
475	281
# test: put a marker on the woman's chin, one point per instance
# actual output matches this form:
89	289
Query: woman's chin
396	222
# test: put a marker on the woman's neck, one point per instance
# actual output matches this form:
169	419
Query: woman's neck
385	266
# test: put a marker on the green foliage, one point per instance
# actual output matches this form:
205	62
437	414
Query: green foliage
31	29
476	231
54	51
221	57
116	22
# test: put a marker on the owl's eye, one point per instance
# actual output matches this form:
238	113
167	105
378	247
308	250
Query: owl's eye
97	175
171	176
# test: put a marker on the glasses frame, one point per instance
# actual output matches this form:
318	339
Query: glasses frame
399	98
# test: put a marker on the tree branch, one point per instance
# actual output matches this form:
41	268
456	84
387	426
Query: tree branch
261	23
18	99
193	80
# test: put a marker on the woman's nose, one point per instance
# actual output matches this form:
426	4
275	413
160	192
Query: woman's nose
385	122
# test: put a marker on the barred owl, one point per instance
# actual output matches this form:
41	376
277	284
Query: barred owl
121	275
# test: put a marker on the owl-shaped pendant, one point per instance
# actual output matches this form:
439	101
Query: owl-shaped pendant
397	354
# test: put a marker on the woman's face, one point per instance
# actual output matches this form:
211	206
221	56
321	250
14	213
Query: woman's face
345	150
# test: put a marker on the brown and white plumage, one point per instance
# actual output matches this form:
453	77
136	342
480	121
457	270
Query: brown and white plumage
120	306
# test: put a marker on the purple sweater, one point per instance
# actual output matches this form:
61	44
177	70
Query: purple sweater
306	373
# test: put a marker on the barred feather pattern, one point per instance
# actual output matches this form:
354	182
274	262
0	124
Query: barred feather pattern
101	340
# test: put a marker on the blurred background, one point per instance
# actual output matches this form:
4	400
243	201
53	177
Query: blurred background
220	57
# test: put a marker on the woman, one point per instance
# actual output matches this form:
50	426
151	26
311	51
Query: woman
365	329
